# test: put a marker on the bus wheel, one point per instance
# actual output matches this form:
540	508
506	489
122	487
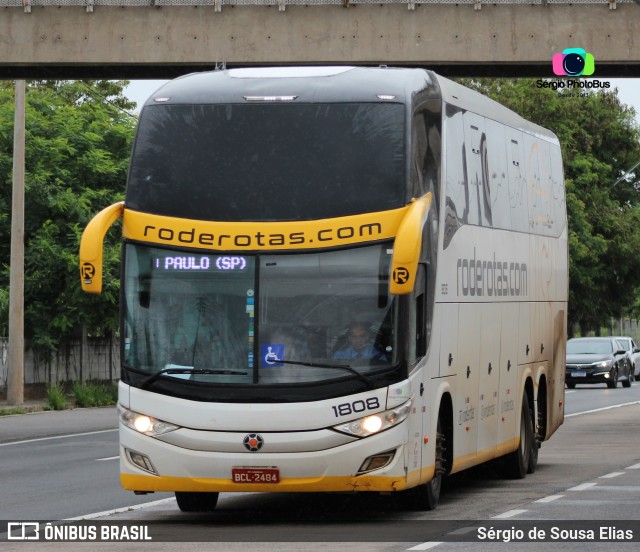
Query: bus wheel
517	463
536	441
425	497
197	502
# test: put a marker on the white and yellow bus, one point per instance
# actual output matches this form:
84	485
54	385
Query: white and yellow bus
335	279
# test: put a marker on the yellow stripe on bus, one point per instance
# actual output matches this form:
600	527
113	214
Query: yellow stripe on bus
258	236
133	482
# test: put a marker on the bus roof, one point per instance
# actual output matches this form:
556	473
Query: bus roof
334	84
470	100
307	84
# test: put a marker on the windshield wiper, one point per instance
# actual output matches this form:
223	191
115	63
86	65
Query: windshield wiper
345	367
169	371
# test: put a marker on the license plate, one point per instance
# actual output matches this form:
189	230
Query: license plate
578	374
255	475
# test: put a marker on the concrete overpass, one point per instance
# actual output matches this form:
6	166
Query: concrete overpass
165	38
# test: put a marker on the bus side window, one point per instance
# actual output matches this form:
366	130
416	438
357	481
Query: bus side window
517	183
546	216
497	173
557	188
419	140
473	133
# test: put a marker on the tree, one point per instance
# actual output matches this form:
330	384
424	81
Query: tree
600	141
77	151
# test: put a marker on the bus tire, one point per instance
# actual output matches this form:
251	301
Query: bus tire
539	428
533	457
517	463
197	502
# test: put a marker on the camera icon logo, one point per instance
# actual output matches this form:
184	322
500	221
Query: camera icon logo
573	62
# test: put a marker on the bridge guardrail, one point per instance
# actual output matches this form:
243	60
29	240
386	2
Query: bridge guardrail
282	4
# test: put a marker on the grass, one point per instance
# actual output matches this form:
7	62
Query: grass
94	394
13	410
83	395
56	399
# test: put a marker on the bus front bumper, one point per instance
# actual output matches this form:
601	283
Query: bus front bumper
337	469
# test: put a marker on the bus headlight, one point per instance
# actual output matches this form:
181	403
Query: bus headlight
375	423
144	424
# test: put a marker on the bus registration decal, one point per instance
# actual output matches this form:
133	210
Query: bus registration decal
255	475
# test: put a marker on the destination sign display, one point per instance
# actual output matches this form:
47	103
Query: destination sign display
199	263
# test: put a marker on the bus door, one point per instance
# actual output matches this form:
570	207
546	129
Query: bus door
416	351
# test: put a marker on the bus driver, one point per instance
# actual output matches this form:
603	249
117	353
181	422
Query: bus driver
360	345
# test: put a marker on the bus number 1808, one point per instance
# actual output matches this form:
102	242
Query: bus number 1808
345	409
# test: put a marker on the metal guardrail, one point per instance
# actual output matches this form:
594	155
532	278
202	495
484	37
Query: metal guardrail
27	5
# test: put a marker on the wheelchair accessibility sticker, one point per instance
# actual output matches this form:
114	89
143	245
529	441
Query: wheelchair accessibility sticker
271	355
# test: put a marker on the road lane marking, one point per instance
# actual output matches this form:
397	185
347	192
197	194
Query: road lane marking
549	498
601	409
425	545
509	514
432	544
56	437
122	510
110	458
634	467
611	475
582	487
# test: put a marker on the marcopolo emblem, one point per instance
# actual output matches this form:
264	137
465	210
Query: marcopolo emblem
88	272
401	275
253	442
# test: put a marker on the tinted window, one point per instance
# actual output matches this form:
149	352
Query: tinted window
498	174
589	347
268	161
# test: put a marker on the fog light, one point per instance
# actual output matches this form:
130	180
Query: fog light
141	461
607	375
377	461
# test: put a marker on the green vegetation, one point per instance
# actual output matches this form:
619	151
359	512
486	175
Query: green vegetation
94	394
77	153
83	395
13	410
600	142
56	399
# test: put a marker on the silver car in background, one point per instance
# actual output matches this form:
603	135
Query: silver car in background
633	353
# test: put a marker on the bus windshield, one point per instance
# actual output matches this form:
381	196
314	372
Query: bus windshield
322	160
230	319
